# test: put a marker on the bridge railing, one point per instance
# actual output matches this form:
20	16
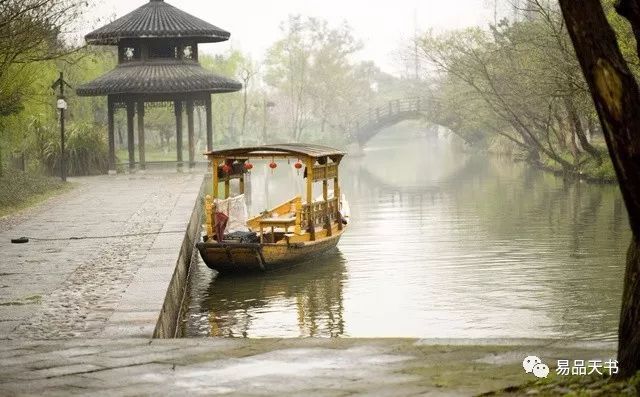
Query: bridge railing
387	111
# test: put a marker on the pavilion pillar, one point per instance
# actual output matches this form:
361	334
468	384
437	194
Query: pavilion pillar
141	148
190	132
131	112
207	104
177	106
111	133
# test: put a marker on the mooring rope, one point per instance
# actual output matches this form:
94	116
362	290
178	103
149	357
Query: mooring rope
26	239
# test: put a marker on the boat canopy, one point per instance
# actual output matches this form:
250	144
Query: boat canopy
300	150
235	163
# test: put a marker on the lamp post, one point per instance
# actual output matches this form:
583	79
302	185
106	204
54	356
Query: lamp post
61	104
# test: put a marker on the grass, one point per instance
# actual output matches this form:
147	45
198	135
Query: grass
604	171
588	169
574	386
154	155
19	190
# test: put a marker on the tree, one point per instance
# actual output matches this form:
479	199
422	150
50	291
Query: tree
226	107
288	64
30	31
520	85
615	92
248	71
314	77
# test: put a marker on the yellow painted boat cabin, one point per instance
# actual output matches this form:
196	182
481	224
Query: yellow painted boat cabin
289	233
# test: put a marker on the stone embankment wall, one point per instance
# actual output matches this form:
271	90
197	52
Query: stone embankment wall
167	326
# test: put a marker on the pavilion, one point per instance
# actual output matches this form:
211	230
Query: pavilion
157	62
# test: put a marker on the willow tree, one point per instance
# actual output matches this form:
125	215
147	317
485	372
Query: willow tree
617	99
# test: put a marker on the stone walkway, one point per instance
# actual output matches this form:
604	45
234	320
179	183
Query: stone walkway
274	367
71	288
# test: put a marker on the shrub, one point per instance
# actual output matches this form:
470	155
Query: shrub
86	150
18	187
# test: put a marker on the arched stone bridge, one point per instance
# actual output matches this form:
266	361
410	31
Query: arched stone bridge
366	125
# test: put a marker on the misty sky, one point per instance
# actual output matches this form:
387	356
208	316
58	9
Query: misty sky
381	25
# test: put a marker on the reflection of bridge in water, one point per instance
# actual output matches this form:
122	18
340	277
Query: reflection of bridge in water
469	166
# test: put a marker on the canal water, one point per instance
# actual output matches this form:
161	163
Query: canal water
442	243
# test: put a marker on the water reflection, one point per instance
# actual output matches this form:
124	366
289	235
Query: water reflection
301	301
442	244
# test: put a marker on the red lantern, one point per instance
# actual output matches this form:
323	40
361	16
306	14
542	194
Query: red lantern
226	168
248	166
273	165
298	165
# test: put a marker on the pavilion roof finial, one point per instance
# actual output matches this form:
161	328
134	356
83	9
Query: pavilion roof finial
157	19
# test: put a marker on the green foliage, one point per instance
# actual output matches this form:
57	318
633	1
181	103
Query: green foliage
574	386
318	87
85	147
30	33
603	171
34	130
516	85
227	107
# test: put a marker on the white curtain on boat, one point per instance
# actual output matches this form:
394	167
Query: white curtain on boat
236	209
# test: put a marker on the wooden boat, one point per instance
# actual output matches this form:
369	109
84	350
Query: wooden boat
289	233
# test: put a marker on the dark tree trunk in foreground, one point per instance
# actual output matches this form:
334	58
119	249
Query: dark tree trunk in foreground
615	93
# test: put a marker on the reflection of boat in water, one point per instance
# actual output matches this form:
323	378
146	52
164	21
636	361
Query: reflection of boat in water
239	306
292	232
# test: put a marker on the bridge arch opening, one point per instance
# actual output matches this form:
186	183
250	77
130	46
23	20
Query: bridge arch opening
379	120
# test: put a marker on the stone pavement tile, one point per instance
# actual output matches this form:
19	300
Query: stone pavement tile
143	354
143	290
40	387
127	331
21	295
26	359
17	312
283	367
134	317
77	351
57	371
132	373
157	274
14	352
81	282
6	327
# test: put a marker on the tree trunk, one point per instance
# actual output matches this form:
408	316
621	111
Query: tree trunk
575	152
579	131
615	93
559	133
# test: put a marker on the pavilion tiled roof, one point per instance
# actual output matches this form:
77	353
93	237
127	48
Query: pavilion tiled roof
159	77
157	19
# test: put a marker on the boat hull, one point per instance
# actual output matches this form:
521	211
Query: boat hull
229	257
